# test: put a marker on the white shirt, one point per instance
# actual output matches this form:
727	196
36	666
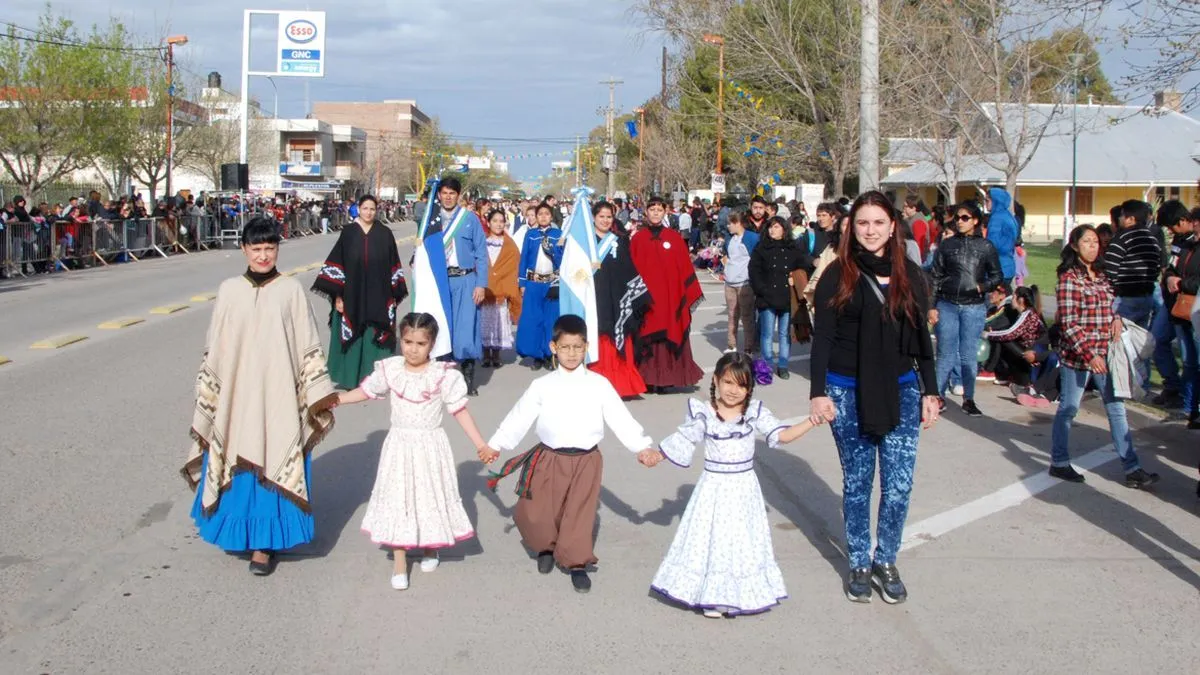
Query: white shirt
685	221
571	408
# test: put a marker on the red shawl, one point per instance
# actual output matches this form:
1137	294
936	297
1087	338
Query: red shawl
661	257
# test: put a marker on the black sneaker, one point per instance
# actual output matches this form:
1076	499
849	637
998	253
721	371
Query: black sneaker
1140	479
782	373
581	581
1067	473
545	562
858	585
971	409
887	579
1168	399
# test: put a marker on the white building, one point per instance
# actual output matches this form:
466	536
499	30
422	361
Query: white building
312	158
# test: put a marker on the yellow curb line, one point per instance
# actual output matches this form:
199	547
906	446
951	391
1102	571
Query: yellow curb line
314	266
124	322
4	360
204	297
169	309
58	342
290	273
298	270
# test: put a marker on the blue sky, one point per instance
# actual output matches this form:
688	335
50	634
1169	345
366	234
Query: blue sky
527	69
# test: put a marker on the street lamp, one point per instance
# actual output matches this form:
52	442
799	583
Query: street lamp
718	40
171	42
1074	59
275	110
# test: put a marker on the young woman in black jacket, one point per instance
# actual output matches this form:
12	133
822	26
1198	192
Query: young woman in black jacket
771	266
963	266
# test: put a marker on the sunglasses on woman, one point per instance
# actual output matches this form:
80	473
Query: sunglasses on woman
963	217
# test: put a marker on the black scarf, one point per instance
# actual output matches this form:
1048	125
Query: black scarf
883	344
260	279
364	271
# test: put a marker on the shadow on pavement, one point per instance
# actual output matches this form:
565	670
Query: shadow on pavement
817	514
342	479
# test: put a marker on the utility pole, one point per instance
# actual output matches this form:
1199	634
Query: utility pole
379	166
610	147
171	42
868	148
578	162
641	139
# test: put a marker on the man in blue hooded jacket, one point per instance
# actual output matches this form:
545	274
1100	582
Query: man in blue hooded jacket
1002	230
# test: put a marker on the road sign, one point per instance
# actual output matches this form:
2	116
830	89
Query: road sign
718	183
302	44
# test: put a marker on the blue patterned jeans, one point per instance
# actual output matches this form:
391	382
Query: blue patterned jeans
897	453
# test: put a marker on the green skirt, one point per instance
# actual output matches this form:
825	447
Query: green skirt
349	367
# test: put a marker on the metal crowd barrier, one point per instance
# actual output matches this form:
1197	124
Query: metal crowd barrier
27	247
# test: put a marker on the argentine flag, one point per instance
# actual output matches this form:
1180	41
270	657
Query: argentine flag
430	284
577	288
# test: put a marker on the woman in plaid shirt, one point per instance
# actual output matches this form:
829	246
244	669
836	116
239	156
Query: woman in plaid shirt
1086	319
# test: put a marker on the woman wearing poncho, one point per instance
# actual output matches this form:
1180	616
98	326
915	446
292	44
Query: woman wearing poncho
621	301
364	282
263	402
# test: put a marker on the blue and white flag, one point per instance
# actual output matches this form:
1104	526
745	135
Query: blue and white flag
430	283
577	287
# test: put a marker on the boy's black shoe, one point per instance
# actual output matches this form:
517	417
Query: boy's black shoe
1140	479
580	580
545	562
782	373
858	585
971	409
887	579
1067	473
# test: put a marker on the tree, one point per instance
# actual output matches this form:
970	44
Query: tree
209	146
1167	29
62	93
1053	79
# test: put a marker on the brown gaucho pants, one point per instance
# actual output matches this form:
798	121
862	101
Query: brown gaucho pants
560	513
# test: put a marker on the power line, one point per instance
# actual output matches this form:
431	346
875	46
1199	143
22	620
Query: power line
61	43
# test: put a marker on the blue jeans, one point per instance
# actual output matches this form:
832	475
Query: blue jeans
1163	330
1188	385
897	453
1072	384
958	330
771	324
1140	310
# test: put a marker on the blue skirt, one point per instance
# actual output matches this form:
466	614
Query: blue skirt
251	517
535	328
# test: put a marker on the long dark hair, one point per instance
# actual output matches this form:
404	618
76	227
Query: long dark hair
420	321
1031	297
1069	258
741	367
901	300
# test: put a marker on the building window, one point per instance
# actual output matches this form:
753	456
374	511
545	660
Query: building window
1084	199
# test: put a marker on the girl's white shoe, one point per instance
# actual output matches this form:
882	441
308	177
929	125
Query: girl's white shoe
429	563
400	582
713	614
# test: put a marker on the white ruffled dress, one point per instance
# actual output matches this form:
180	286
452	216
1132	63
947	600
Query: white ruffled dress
722	557
415	502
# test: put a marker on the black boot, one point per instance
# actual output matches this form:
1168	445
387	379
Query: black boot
468	368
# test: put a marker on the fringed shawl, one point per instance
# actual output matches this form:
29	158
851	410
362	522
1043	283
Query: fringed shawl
364	271
264	353
502	278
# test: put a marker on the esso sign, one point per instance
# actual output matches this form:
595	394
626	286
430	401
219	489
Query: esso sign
301	31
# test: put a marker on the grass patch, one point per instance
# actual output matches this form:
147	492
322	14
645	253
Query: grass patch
1042	261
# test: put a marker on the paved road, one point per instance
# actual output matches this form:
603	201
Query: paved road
100	571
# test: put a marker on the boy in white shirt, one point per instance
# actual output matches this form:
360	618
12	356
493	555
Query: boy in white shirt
559	479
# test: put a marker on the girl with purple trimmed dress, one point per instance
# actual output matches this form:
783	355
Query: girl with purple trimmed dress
722	561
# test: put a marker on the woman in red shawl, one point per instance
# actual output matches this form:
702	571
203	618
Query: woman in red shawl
661	257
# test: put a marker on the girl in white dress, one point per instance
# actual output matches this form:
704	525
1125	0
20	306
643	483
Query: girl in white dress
721	560
415	503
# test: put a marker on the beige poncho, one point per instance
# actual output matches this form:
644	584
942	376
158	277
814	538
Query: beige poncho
263	395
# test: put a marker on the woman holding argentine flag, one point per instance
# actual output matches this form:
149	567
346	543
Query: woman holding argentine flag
622	300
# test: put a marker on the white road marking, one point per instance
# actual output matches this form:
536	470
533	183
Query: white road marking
943	523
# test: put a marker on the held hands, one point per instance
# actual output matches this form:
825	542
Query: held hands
821	410
650	457
487	455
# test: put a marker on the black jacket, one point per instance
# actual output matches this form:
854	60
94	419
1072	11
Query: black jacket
771	266
1185	264
964	268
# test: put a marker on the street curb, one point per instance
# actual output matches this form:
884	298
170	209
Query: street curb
123	322
169	309
58	342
